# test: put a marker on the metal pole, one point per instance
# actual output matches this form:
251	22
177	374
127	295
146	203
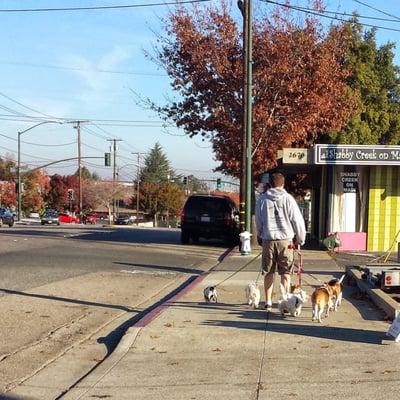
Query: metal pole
138	189
19	176
114	169
137	186
114	172
79	167
19	162
249	112
242	206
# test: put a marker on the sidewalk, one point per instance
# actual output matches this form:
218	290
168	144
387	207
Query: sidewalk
194	350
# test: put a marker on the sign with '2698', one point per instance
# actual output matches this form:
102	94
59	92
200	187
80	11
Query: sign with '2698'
356	155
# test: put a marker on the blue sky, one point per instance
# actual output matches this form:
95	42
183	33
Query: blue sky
50	62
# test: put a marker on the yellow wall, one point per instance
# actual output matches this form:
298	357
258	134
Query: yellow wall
383	208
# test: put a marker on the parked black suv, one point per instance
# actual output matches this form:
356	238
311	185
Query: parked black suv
209	216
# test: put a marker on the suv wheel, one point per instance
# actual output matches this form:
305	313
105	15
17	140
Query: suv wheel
195	238
185	237
11	223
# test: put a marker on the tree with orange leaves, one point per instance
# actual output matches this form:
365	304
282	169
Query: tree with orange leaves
299	89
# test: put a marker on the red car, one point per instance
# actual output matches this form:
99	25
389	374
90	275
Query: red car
68	219
90	219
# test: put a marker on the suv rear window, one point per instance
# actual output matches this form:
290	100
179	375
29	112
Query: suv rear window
207	205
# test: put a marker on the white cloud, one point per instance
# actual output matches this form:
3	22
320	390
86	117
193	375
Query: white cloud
89	73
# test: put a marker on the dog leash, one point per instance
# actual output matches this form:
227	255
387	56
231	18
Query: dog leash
299	264
240	269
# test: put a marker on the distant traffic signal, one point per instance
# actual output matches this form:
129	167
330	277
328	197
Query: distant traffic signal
219	183
185	180
107	159
70	194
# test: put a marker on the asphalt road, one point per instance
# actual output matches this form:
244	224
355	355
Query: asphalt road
32	256
69	292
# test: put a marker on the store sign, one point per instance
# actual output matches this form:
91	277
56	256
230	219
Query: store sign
349	181
297	156
357	155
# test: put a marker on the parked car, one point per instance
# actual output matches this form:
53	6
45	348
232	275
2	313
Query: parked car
50	217
209	216
6	217
100	214
68	218
89	218
125	219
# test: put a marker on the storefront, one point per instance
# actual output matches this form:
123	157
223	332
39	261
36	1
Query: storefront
355	191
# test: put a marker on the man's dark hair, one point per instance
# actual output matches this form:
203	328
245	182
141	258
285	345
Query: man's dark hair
277	179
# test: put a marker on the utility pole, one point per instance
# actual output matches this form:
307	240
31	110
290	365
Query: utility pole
242	204
249	110
246	7
114	150
77	126
137	186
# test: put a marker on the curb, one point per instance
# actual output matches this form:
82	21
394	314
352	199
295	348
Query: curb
378	296
132	327
179	292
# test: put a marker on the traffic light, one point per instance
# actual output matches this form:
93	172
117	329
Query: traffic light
70	194
219	183
185	180
107	159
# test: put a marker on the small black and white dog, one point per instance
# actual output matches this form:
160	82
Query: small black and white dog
210	294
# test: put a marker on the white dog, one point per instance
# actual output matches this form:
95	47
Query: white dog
210	294
253	294
292	303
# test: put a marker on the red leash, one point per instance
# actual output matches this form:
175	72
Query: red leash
299	264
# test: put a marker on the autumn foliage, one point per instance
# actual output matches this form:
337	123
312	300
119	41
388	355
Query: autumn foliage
160	199
299	88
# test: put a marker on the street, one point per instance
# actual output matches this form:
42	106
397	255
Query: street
74	290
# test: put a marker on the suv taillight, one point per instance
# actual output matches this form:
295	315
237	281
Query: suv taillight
182	215
228	219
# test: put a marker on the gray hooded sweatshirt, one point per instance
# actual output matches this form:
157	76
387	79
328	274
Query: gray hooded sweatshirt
278	217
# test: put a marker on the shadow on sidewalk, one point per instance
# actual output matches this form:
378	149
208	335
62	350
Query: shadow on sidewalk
316	330
161	267
68	300
248	318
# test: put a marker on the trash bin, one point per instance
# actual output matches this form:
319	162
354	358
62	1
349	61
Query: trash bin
245	242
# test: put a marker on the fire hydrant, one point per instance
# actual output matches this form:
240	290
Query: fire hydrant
245	240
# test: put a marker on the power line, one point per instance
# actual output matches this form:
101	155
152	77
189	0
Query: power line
320	13
91	132
38	144
25	154
70	68
91	8
90	121
92	147
24	106
377	9
342	13
10	110
50	145
193	170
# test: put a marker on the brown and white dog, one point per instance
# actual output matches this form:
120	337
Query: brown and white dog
337	288
321	299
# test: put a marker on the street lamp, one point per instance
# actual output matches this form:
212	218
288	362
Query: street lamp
19	161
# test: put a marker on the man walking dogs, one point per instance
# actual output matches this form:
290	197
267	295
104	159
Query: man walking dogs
279	223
